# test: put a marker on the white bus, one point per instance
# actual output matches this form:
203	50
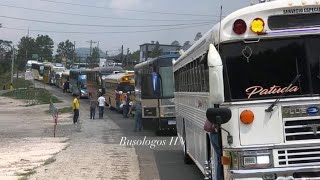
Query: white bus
154	86
259	71
37	69
29	65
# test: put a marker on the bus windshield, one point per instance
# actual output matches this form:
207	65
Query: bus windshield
167	89
265	69
125	87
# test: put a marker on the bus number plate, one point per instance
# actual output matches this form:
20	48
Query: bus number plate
171	122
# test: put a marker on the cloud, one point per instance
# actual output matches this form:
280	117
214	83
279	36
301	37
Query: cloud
125	4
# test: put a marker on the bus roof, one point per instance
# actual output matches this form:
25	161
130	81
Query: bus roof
151	61
263	11
117	77
107	69
79	70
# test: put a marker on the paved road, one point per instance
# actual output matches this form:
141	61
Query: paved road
163	162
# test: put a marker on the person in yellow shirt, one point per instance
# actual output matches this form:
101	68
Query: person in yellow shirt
11	87
76	107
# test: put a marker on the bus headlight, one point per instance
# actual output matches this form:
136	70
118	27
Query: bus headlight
251	159
256	159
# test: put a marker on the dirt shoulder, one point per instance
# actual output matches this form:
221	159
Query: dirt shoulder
26	138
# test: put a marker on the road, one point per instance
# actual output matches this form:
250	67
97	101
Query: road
163	161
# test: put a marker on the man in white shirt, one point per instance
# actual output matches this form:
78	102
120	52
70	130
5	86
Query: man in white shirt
101	101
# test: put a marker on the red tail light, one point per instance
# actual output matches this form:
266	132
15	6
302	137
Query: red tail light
239	26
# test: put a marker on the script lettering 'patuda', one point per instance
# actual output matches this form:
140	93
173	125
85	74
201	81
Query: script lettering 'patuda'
255	90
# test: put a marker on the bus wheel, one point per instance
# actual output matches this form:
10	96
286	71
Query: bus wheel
186	158
110	107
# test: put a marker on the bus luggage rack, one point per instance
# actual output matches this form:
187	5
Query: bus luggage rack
298	130
297	157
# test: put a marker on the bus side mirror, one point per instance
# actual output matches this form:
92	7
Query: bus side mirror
218	115
216	84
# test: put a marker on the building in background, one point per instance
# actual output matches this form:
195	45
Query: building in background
147	48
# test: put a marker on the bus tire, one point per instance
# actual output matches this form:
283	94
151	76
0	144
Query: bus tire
186	158
110	107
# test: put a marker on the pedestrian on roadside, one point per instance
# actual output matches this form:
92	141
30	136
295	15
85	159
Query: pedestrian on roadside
4	87
93	105
65	86
102	102
126	105
76	108
138	116
11	87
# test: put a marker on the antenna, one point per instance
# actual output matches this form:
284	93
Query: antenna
220	29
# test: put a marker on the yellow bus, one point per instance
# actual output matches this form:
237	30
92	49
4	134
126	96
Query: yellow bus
46	72
116	87
96	76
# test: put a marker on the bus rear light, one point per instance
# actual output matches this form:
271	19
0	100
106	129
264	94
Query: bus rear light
239	26
257	25
246	117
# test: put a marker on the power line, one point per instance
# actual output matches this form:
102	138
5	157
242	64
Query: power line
110	32
96	25
140	11
93	16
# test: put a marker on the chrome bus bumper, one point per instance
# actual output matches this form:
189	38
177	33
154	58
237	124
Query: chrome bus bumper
277	173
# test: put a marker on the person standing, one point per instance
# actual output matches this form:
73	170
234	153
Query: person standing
11	87
138	116
102	102
93	105
126	105
76	107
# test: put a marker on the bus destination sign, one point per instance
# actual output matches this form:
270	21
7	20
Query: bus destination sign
302	10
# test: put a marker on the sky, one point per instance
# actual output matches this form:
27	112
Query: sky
112	23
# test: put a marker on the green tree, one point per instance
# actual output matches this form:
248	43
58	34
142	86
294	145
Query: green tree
5	56
156	51
95	55
65	50
198	36
26	48
44	47
175	43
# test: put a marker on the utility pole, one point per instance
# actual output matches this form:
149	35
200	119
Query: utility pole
122	54
91	42
98	50
127	57
74	52
12	64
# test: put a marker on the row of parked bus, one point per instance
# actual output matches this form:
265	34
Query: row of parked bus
112	82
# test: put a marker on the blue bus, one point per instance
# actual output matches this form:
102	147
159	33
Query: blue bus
78	82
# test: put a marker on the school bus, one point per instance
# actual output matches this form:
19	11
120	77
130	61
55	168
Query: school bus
46	72
117	87
95	78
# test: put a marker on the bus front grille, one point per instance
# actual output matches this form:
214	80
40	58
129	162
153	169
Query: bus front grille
298	130
298	156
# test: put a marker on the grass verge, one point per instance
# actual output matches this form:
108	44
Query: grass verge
49	161
37	95
62	110
5	79
26	174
